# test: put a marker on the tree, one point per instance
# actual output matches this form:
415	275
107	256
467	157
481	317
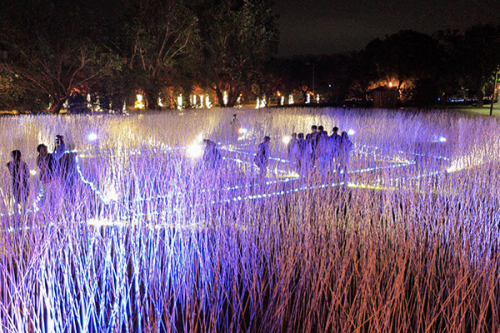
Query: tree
297	74
162	34
269	81
52	47
238	37
404	56
480	56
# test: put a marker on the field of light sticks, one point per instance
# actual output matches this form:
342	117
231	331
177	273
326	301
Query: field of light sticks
142	236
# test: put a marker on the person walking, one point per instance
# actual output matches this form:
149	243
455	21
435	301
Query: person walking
262	157
323	152
211	155
49	168
60	147
312	141
335	133
345	148
294	153
20	174
303	152
235	127
335	147
63	159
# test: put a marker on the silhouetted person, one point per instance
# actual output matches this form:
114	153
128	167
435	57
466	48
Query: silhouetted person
211	155
63	159
335	133
345	148
323	152
235	127
294	153
48	172
60	147
262	157
335	145
312	140
303	151
20	174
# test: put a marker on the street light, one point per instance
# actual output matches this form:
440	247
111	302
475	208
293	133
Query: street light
312	64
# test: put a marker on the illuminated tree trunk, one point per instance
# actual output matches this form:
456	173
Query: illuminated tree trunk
220	97
233	96
151	96
57	105
480	92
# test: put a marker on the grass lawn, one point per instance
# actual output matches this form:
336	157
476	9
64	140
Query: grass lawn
485	110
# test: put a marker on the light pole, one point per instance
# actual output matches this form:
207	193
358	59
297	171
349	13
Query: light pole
314	93
494	94
312	64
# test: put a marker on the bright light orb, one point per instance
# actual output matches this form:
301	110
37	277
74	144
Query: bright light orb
32	172
92	136
110	195
242	130
195	150
442	139
351	132
286	139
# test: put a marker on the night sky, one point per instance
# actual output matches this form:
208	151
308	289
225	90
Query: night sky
326	26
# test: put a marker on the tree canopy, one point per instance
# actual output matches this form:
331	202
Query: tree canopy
237	37
52	46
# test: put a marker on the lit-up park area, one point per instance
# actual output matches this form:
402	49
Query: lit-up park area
143	237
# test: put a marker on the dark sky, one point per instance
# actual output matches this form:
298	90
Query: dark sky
324	27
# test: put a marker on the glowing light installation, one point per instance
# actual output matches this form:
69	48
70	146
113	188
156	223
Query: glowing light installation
139	102
194	255
89	104
179	102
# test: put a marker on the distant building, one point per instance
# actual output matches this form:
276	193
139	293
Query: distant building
385	97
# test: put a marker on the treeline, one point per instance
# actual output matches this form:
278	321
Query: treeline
114	49
52	52
427	70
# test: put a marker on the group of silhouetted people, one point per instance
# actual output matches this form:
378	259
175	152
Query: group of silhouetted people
317	151
321	151
49	165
